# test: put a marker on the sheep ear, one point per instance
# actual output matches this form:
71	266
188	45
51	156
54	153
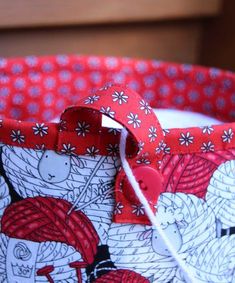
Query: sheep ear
145	235
78	162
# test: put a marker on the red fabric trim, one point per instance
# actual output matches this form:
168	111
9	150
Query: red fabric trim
172	144
40	88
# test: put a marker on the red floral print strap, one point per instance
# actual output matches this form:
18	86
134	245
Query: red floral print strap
122	105
129	109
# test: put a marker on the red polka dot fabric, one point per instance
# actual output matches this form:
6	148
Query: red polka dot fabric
36	90
39	88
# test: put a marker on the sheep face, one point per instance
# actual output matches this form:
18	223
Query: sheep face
53	167
172	233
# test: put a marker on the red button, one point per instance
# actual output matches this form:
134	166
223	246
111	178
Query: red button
150	182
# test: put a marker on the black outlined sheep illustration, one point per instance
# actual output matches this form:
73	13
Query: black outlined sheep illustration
24	168
213	261
85	181
221	196
55	168
23	260
171	221
185	218
5	198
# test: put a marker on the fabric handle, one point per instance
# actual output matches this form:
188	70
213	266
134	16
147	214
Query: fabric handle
124	106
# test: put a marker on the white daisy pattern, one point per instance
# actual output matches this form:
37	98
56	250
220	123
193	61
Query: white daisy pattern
145	107
163	147
107	111
40	147
118	208
17	136
106	87
134	120
138	210
92	151
152	134
82	128
207	147
120	97
1	123
40	129
143	160
62	125
227	136
68	148
114	131
92	99
165	132
186	139
140	146
207	130
113	149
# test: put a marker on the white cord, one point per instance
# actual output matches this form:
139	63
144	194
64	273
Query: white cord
153	219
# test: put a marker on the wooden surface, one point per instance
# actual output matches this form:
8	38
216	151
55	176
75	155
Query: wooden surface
33	13
189	31
218	41
167	41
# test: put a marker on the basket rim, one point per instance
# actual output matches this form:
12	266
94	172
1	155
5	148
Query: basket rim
220	136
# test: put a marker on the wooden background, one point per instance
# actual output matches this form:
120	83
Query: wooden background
189	31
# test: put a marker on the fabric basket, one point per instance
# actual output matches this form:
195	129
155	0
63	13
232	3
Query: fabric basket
69	212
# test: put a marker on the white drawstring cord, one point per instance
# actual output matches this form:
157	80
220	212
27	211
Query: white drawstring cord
153	219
